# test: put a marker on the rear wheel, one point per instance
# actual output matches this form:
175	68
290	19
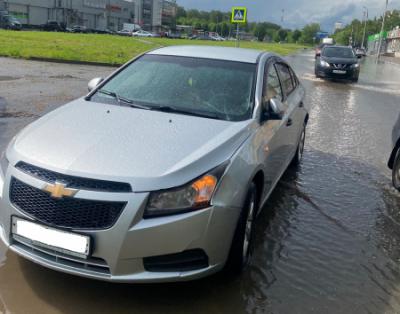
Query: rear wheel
396	171
242	244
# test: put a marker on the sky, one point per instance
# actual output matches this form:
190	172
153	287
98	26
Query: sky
298	12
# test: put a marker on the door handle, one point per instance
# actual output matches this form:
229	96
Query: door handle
289	122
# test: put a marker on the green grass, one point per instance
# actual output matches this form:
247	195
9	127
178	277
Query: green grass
103	48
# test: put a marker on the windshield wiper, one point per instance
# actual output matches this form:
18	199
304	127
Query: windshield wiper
122	100
172	109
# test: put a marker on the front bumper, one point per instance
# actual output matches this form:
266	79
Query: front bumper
351	73
118	252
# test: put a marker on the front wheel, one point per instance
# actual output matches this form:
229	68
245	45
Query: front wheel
300	148
396	171
242	244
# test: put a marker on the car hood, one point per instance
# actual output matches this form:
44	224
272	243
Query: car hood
151	150
340	60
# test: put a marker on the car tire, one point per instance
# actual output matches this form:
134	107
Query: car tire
355	80
243	239
396	171
300	148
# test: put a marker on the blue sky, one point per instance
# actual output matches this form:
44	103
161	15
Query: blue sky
298	12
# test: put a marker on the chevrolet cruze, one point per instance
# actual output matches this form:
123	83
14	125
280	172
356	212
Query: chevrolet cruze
159	172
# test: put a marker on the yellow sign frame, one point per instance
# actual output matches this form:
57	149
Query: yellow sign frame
244	14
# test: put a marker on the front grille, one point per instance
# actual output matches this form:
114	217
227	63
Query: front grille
341	66
70	213
91	264
74	182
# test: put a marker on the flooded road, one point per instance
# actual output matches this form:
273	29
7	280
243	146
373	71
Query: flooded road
327	242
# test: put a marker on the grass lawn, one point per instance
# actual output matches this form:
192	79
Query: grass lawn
103	48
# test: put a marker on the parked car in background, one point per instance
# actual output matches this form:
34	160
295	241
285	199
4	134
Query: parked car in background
80	29
8	21
53	26
124	32
143	33
337	62
360	52
164	182
217	38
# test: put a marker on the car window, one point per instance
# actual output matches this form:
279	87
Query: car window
286	78
272	86
222	88
294	78
338	52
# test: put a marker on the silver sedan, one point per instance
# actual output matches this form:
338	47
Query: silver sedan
158	174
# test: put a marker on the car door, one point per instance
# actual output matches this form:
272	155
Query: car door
274	132
292	102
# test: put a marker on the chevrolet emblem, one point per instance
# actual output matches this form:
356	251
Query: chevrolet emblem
59	190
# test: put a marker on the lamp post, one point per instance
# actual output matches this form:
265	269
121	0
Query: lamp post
382	30
365	25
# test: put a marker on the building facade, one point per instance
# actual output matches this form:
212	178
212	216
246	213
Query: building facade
94	14
393	42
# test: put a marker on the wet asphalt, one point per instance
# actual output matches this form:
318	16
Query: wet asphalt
328	240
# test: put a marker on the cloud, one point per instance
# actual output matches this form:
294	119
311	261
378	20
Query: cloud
298	12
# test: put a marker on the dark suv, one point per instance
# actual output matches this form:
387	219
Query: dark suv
53	26
337	62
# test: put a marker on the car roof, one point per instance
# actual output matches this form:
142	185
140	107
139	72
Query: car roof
210	52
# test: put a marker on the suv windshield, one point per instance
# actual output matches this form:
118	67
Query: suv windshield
338	52
214	88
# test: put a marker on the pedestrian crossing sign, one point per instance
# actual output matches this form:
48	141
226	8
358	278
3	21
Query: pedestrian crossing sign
239	15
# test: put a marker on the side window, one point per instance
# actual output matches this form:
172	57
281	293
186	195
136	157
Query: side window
294	78
272	86
286	78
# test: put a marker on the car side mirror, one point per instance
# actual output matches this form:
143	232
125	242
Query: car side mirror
276	110
273	110
94	83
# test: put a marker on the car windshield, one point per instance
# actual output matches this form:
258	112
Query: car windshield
338	52
215	88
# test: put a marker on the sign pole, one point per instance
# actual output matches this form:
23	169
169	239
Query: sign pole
237	36
239	16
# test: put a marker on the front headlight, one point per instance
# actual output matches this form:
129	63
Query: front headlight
193	196
356	65
3	163
324	64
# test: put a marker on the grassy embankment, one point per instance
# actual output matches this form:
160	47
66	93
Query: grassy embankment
103	48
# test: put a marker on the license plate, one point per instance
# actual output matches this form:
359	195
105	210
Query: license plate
339	72
42	236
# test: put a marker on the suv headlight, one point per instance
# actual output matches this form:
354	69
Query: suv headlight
3	163
324	64
193	196
356	65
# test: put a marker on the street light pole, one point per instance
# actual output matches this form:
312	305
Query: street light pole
365	25
382	30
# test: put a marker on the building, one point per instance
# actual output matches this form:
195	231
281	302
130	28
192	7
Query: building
338	26
94	14
159	15
374	41
393	42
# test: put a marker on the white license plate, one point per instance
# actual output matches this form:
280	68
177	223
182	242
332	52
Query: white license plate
50	238
339	72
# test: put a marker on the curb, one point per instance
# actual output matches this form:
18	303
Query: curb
73	62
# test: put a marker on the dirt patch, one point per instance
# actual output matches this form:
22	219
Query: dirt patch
8	78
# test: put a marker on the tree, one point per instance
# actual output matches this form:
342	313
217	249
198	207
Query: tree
309	33
296	35
282	35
